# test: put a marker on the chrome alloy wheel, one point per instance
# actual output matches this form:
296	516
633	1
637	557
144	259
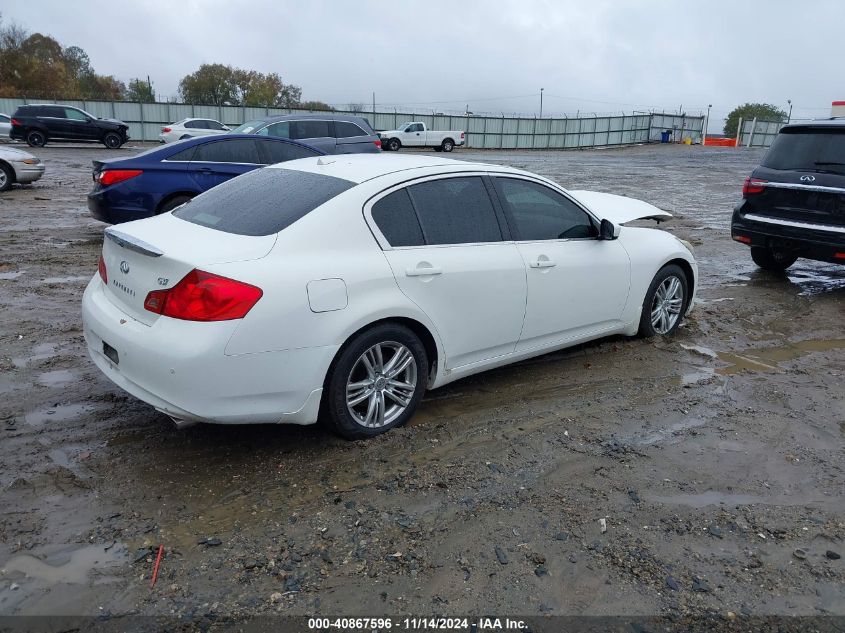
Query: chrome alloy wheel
667	304
381	384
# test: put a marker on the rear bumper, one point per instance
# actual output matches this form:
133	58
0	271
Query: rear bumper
180	368
820	242
103	209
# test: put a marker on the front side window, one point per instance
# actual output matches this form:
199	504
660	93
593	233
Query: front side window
279	130
416	127
75	115
395	217
273	152
346	129
455	211
231	151
540	213
307	128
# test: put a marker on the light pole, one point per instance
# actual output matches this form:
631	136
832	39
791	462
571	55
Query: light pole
789	116
706	124
541	103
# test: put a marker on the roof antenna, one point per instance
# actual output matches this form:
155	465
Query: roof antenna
325	160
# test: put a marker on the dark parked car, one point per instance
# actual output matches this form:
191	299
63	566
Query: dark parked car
794	202
40	124
161	179
332	133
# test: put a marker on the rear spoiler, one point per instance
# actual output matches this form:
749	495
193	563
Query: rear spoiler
133	243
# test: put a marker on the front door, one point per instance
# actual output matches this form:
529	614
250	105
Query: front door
446	249
577	284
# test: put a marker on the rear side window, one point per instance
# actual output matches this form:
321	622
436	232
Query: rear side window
345	129
214	125
195	125
50	111
455	211
262	201
307	128
395	217
231	151
278	152
185	155
808	149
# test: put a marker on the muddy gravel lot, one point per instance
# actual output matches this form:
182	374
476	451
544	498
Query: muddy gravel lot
714	457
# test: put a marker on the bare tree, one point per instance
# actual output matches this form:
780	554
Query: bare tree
355	107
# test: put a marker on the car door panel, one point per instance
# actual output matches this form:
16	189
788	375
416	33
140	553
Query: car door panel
474	293
577	284
447	253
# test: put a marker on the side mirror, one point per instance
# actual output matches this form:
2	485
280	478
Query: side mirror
608	230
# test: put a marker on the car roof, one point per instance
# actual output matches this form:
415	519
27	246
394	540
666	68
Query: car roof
831	122
359	168
331	116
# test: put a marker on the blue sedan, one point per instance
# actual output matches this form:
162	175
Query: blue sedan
161	179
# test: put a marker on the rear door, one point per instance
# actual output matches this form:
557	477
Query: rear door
576	283
448	249
274	151
318	133
219	160
352	139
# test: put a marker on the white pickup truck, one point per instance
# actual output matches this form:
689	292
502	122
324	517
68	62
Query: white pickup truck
415	134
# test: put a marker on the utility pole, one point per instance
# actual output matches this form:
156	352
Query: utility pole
789	116
374	104
706	124
541	103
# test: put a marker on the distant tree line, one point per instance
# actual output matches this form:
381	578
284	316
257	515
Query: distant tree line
36	65
748	111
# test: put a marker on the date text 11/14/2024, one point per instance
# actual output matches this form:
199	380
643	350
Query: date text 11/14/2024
416	624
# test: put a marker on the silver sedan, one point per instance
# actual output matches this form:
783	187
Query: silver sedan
17	166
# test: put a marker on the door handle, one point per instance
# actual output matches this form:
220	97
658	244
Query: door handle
543	263
422	272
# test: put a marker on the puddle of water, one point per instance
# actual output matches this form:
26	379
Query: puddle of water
700	349
768	359
63	280
57	378
818	279
69	569
695	377
62	413
665	433
40	352
709	498
12	275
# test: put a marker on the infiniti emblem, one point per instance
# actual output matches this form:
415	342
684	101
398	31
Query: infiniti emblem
124	267
807	178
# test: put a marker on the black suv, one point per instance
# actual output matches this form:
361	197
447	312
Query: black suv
794	202
38	124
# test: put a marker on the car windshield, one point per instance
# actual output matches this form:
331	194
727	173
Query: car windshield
808	149
248	127
262	202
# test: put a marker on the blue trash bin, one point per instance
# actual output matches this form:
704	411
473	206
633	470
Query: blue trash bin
664	136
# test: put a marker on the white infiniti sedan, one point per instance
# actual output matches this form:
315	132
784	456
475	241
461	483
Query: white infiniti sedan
343	287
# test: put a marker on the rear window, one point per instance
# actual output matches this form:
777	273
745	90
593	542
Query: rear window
808	149
262	202
346	129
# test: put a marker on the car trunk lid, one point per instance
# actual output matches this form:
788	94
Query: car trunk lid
800	195
154	254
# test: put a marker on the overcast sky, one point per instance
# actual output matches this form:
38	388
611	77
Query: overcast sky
596	55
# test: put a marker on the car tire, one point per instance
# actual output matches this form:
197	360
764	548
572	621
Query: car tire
447	145
665	302
112	140
357	373
172	204
34	138
772	260
394	144
7	177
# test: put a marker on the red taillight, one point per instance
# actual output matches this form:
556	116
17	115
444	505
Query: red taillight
101	267
742	238
202	296
165	130
114	176
752	186
462	135
377	143
15	122
839	255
